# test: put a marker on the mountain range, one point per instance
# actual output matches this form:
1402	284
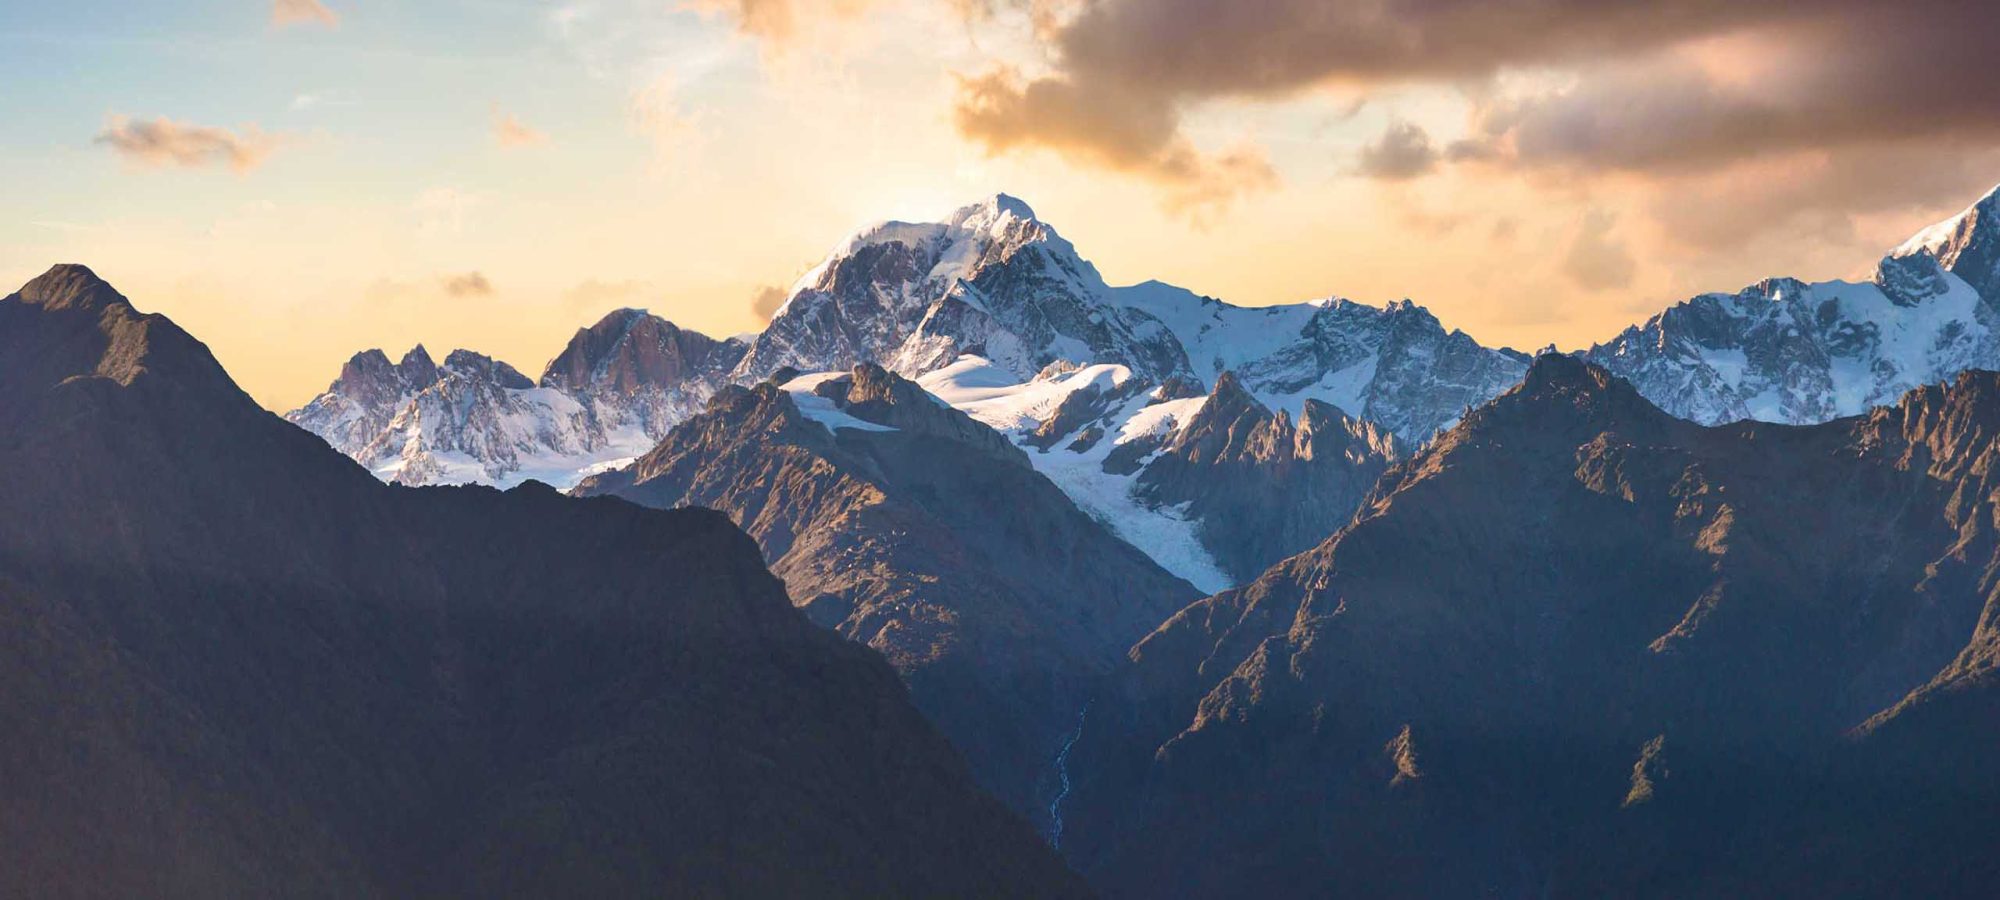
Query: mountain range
905	525
993	311
969	545
1579	647
234	664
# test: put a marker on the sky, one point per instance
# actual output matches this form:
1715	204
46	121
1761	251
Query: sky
297	180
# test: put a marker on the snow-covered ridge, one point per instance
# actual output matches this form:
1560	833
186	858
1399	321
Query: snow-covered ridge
611	395
996	314
1015	408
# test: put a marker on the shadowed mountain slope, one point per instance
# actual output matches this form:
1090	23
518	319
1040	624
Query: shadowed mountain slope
1580	648
906	525
234	664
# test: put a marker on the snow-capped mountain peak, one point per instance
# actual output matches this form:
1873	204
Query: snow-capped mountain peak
1967	245
613	392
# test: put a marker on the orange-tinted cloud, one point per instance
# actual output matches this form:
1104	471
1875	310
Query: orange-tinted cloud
778	21
164	142
302	12
509	131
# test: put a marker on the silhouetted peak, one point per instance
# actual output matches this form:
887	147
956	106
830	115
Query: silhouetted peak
70	286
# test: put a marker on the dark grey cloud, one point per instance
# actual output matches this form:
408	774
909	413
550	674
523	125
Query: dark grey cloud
1648	95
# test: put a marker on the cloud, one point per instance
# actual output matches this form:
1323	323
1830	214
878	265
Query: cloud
1403	152
765	302
285	13
164	142
509	131
1654	89
654	112
1595	260
470	284
1004	113
777	22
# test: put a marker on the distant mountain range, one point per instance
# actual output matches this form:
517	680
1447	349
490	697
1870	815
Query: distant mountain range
994	312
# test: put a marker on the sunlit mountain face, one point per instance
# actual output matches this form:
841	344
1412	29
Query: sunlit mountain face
1014	448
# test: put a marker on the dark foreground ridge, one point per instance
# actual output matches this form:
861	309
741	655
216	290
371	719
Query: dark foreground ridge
232	664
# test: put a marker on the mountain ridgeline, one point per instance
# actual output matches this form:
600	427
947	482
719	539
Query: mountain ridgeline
903	524
1577	647
992	300
967	544
233	664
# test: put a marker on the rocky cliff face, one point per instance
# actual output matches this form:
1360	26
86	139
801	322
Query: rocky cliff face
1578	647
1260	487
905	525
235	665
634	371
369	392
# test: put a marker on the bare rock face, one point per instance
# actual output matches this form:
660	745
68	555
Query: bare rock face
370	391
636	370
1261	487
903	524
1577	647
235	665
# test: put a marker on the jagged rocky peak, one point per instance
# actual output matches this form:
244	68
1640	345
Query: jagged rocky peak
632	349
371	372
69	286
1229	419
1324	429
1912	279
1261	487
1967	245
1564	395
478	367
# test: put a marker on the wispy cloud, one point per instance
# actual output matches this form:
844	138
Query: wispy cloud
164	142
317	99
286	13
510	131
655	113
